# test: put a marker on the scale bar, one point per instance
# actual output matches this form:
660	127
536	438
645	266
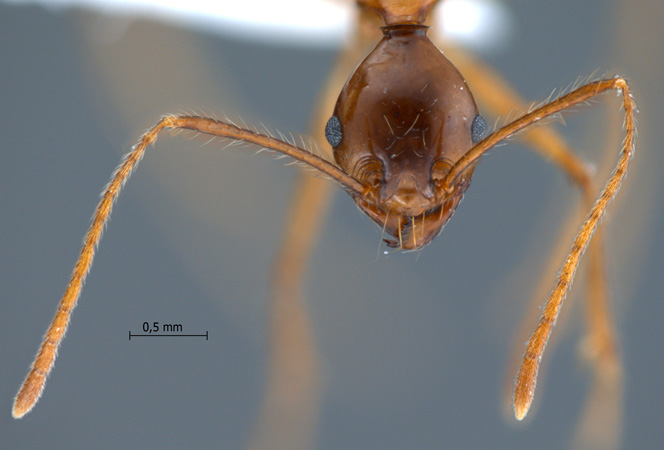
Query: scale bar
169	335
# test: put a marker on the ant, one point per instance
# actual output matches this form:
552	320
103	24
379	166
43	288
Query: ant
407	135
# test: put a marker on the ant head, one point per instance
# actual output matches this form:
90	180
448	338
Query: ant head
403	119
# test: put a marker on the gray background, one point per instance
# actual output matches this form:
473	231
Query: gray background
414	346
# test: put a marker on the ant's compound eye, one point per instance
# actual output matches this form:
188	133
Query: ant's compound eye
333	131
478	129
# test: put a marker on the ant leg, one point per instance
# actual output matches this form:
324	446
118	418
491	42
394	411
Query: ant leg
601	421
289	410
33	385
527	374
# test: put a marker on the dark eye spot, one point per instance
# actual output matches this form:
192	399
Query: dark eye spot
333	131
478	129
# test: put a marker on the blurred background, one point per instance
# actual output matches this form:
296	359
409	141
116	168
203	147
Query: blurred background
414	347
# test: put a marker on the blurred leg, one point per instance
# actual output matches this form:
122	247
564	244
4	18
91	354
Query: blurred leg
290	407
